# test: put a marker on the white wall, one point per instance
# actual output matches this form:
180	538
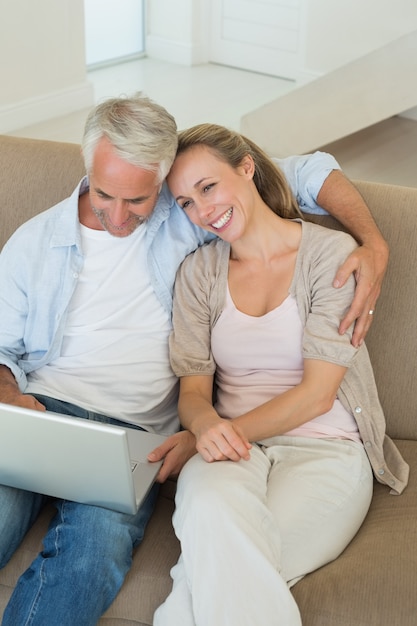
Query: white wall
178	31
340	31
368	90
42	61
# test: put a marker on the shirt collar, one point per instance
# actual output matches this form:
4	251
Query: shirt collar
67	230
67	225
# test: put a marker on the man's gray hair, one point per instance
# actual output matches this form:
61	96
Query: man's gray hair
142	133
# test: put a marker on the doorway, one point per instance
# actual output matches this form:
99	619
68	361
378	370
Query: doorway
263	36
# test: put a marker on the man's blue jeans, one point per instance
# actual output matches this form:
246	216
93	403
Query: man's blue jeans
86	554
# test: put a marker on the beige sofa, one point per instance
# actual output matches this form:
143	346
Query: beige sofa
374	582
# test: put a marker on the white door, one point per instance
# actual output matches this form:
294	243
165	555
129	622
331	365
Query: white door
258	35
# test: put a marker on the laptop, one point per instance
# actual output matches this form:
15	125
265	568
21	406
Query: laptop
76	459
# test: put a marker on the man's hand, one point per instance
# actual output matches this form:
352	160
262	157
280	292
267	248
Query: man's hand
342	200
175	450
368	264
11	394
28	402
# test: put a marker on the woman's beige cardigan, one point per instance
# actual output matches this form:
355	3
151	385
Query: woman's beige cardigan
200	292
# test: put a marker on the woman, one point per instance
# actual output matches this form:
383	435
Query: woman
279	402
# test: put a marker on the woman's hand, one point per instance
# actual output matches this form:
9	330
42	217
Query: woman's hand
217	439
222	440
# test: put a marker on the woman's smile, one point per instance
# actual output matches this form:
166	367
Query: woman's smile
223	220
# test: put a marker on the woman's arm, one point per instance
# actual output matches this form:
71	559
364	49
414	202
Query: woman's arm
217	439
313	396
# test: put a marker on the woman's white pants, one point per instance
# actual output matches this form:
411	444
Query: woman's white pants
250	530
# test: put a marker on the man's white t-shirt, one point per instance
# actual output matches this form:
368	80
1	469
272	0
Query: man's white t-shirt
114	357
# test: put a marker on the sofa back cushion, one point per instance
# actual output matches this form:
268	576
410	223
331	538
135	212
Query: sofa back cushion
35	175
392	339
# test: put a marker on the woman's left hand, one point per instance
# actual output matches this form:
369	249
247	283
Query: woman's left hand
222	440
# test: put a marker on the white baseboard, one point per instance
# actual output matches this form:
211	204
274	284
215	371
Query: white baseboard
55	104
304	76
411	114
175	52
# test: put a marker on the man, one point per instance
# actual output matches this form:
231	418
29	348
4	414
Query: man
85	303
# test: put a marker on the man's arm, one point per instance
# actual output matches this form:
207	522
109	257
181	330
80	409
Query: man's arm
341	199
318	183
11	394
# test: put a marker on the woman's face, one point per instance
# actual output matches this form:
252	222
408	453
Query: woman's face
214	195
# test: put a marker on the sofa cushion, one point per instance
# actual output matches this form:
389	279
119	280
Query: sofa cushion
370	583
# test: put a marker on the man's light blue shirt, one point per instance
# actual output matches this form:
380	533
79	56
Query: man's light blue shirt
41	263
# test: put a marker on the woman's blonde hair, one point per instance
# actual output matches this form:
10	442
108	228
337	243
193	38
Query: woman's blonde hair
231	147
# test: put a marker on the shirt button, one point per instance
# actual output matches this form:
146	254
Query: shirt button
392	483
368	444
75	275
381	472
358	409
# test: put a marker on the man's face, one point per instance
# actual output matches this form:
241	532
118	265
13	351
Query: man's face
122	196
